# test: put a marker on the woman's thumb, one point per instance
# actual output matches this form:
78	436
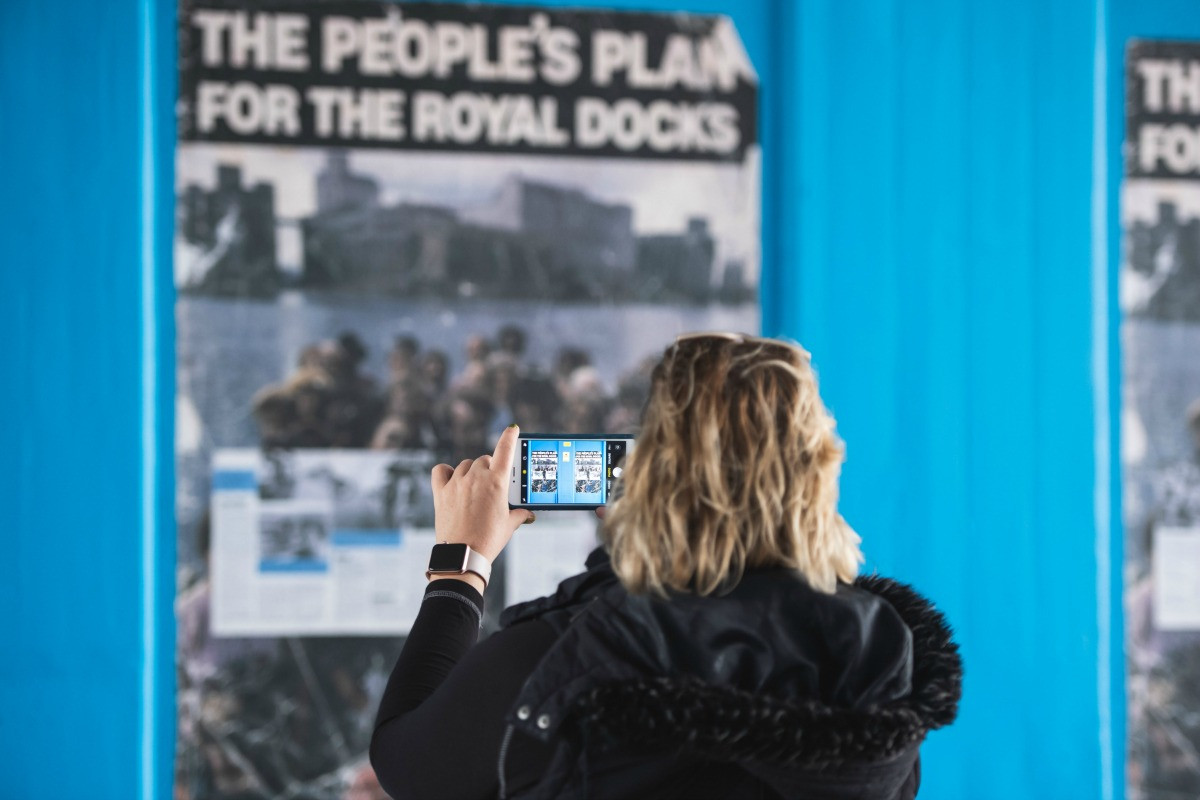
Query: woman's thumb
520	516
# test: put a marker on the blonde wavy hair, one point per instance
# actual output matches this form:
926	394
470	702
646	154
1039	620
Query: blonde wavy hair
736	466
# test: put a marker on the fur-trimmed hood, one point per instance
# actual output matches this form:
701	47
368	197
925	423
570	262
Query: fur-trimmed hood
811	694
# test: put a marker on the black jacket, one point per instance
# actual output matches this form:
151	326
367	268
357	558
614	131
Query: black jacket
772	690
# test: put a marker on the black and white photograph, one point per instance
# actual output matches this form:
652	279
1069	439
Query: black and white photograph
293	536
534	289
365	490
1161	252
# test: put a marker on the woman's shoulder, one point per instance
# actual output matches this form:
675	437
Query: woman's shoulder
571	596
773	676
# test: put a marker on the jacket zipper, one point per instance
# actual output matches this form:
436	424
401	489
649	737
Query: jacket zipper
508	732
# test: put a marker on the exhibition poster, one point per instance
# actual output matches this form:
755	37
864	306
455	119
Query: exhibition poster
399	228
1160	417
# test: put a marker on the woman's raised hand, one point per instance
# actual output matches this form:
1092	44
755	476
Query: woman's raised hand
470	501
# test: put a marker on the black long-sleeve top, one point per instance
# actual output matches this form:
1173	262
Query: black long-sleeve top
441	720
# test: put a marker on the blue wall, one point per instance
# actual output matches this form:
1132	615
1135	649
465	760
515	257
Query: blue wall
70	578
938	264
928	184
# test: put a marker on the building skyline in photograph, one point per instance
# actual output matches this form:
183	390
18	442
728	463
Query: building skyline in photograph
245	232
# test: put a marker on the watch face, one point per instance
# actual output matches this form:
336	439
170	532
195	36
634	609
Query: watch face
448	558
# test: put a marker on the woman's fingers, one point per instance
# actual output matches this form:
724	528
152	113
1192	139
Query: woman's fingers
463	467
506	449
440	476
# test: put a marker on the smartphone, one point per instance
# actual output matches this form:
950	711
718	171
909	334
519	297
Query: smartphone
566	471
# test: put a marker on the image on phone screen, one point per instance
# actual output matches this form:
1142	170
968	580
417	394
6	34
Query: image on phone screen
568	471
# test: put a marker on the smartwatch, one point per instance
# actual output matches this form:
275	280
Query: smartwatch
457	559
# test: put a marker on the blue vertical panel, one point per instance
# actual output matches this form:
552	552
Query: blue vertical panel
158	89
1001	469
940	273
929	403
1064	709
69	399
1125	20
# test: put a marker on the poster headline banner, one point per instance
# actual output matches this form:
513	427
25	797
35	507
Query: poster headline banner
1162	136
466	78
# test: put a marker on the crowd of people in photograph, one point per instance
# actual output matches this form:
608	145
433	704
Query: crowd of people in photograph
329	401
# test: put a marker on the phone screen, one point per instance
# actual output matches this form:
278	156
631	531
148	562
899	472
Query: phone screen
569	471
